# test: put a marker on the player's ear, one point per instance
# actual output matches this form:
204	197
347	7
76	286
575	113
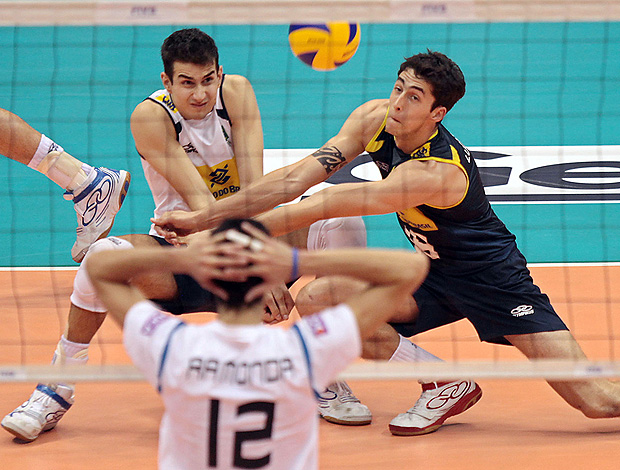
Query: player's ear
166	81
438	113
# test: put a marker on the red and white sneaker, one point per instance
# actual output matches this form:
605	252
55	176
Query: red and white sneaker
438	402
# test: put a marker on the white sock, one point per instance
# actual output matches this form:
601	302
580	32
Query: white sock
341	232
66	171
46	145
409	352
70	353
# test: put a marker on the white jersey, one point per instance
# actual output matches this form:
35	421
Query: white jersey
207	143
240	396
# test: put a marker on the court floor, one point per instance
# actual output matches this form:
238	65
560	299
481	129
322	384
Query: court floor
518	424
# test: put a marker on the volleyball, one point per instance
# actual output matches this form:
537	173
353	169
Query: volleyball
324	46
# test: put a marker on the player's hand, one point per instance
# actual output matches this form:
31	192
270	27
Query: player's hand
278	304
175	225
272	262
205	258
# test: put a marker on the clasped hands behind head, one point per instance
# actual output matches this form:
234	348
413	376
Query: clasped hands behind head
235	256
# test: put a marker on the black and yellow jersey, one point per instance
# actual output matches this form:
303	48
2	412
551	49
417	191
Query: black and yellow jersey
460	238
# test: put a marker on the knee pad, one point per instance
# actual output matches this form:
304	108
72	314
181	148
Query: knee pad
341	232
83	295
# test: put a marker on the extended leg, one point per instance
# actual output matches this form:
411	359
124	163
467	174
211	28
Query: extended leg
596	398
49	402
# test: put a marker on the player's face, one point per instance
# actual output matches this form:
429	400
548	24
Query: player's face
193	88
410	111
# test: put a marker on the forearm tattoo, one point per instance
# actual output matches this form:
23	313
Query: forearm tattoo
331	158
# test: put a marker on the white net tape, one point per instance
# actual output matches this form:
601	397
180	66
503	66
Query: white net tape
152	12
557	370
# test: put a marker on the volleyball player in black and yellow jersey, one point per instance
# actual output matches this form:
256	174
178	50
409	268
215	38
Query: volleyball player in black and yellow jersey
432	183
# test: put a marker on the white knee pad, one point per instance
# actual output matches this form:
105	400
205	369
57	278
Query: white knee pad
341	232
83	295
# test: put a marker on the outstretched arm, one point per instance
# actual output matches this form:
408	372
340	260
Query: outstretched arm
411	184
155	140
285	184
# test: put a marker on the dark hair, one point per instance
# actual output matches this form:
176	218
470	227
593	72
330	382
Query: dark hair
444	76
188	45
237	290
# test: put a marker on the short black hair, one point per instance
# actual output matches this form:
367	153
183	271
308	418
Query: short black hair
444	76
188	45
237	290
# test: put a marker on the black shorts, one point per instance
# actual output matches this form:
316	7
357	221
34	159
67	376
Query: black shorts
191	296
500	300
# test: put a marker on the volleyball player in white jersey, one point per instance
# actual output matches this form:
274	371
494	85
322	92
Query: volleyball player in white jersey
239	394
200	139
97	193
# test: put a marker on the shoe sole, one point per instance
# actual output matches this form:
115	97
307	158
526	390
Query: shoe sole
469	400
121	198
346	423
17	433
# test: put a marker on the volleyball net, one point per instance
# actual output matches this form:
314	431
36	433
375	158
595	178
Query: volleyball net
541	116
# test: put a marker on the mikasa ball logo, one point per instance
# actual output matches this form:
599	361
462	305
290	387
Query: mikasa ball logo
522	310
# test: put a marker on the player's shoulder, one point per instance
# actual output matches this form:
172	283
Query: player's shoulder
378	106
236	87
238	95
371	112
368	118
235	82
150	109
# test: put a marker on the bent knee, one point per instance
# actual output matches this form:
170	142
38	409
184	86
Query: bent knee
110	243
313	297
341	232
326	292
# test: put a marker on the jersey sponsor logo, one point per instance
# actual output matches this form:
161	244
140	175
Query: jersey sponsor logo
222	180
220	193
167	101
511	175
522	310
219	176
153	322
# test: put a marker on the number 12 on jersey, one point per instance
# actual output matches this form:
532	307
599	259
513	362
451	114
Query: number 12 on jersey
265	407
